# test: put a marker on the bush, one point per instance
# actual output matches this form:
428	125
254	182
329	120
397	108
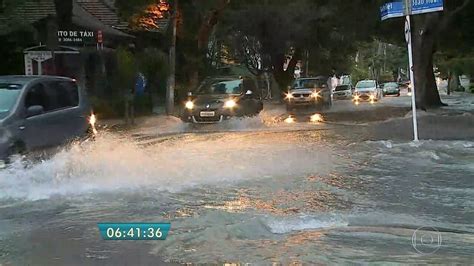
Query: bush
108	107
115	107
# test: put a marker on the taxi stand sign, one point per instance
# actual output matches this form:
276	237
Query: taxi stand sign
408	8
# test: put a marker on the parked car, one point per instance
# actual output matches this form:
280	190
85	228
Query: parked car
221	98
367	90
391	88
343	92
309	92
39	112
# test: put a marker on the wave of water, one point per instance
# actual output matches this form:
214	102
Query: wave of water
288	225
114	163
272	119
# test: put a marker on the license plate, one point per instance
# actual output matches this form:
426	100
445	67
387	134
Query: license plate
302	100
207	114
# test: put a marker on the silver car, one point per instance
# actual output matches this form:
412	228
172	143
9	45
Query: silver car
38	112
309	92
343	92
367	90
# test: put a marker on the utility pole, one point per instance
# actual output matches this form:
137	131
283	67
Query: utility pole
409	38
172	63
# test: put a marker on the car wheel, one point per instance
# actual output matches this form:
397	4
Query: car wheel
16	151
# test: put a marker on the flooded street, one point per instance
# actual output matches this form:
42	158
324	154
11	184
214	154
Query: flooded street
174	132
299	194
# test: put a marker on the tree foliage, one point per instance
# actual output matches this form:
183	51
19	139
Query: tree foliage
274	35
153	63
446	33
148	18
265	35
126	70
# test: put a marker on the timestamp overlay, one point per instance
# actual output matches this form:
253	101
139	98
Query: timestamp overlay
134	231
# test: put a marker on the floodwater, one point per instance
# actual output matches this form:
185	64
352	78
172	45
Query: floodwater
278	194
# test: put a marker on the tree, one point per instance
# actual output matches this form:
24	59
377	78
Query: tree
378	60
148	18
153	63
447	31
126	76
275	35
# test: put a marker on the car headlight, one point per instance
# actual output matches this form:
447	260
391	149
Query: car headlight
356	97
230	104
315	94
189	105
372	97
289	96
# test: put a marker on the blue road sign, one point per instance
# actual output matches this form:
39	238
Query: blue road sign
426	6
392	10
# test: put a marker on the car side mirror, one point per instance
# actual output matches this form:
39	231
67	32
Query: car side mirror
34	110
190	94
249	92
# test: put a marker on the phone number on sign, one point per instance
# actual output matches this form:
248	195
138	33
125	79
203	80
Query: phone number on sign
134	231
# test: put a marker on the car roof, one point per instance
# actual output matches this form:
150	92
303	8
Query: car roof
21	79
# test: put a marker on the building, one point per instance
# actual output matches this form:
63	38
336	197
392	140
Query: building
74	48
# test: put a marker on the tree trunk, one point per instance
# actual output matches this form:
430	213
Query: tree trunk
454	82
127	113
448	88
194	79
284	77
423	41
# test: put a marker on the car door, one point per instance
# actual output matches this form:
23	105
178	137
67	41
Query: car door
38	129
71	119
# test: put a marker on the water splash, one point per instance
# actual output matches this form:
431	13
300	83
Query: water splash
120	163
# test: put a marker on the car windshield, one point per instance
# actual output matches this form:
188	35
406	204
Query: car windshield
365	84
219	87
390	85
310	83
8	97
342	88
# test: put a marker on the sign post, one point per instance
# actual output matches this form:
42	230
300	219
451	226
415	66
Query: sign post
408	37
408	8
39	57
100	40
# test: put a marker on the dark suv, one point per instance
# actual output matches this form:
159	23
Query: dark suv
38	112
220	98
